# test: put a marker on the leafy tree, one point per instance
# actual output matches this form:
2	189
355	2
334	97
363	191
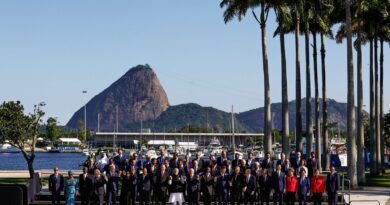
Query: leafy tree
52	130
21	130
81	134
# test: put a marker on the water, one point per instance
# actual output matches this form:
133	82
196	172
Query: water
64	161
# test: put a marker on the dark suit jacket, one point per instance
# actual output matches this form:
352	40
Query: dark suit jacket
120	161
84	183
207	184
56	184
222	184
265	184
161	183
237	183
303	185
98	185
235	162
295	163
193	185
279	182
332	182
311	165
145	183
268	165
174	163
113	182
250	185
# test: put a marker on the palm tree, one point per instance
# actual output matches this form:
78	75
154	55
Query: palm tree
351	149
238	8
284	20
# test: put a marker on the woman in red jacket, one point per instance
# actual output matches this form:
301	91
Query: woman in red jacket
317	187
291	187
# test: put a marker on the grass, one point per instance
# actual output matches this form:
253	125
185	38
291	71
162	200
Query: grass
22	181
382	181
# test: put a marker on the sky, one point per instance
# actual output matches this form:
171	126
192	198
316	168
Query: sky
50	51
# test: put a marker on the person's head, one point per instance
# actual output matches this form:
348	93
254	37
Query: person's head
162	153
132	161
91	160
303	162
223	153
191	171
268	155
250	155
291	172
236	156
154	161
264	171
243	162
175	171
287	161
120	151
237	170
302	172
211	158
197	155
181	163
112	161
128	173
299	155
317	172
96	172
56	170
257	165
283	156
144	170
247	172
166	162
135	155
162	167
70	174
278	167
112	168
176	155
208	170
195	163
223	169
85	169
332	169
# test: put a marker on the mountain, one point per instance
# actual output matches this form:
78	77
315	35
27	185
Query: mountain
138	96
253	119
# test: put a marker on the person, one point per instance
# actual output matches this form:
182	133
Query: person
332	186
56	185
193	187
312	164
249	188
243	166
161	185
145	183
222	186
282	161
236	184
84	186
98	181
125	190
279	185
221	159
161	158
296	162
302	167
196	167
70	189
236	160
91	165
174	162
250	161
291	187
112	186
201	162
303	187
264	187
268	163
256	171
120	160
102	161
176	184
317	187
207	183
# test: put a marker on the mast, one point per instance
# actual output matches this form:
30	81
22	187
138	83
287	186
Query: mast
233	137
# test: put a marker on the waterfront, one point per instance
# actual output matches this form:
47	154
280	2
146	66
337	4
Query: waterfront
64	161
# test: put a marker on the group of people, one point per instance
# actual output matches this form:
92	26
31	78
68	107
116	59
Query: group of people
173	180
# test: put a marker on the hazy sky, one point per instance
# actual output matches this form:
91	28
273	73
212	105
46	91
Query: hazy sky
52	50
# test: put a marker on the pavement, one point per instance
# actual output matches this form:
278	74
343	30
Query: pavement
370	196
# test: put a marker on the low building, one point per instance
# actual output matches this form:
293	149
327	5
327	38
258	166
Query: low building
68	141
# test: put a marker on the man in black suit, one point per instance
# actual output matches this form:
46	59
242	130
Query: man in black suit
161	185
84	186
112	186
145	185
97	184
236	183
56	185
201	163
282	161
279	184
193	188
268	163
332	186
312	164
174	162
207	183
236	160
222	187
264	187
303	187
296	162
249	187
120	160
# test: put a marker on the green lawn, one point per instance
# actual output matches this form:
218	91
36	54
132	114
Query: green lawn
383	181
19	181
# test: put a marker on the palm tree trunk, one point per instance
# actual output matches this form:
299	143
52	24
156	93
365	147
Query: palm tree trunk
373	168
285	125
325	144
351	149
382	142
309	128
298	105
317	102
267	100
359	122
377	117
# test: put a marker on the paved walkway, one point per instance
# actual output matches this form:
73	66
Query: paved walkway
370	196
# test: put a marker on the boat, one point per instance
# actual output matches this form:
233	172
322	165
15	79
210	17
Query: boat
7	148
151	154
232	153
214	148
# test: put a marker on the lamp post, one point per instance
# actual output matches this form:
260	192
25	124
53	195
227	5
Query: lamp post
85	115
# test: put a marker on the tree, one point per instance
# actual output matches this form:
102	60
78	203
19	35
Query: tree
21	130
238	8
52	130
81	132
351	149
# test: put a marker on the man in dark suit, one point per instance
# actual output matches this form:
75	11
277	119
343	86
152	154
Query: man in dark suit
249	187
312	164
161	185
145	184
279	184
174	162
193	188
236	160
112	186
120	160
296	162
265	182
56	185
236	183
97	184
161	158
268	163
201	163
332	186
207	183
221	159
222	186
84	186
303	187
282	161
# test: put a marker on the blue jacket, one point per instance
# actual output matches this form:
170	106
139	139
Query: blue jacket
303	185
279	182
